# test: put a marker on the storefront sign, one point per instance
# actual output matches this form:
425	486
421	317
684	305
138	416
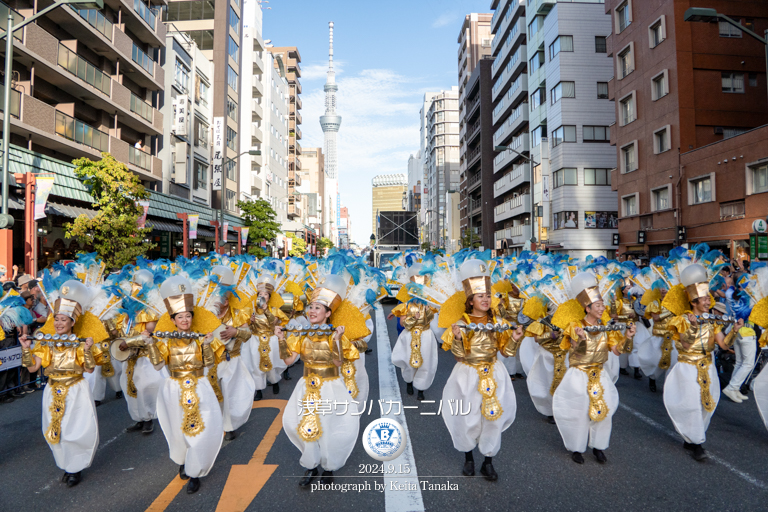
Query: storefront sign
218	152
759	226
758	246
181	115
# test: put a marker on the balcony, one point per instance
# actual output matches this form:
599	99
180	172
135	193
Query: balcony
294	179
15	102
496	19
514	67
512	208
475	205
516	235
543	6
295	164
514	39
83	133
140	20
520	143
298	133
136	63
520	174
474	181
474	155
84	70
294	211
257	110
511	125
472	131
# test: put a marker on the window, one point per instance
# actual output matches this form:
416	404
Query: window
186	11
626	61
597	176
660	199
733	82
566	176
661	140
628	158
728	30
597	134
231	108
659	87
181	76
201	175
203	38
566	220
536	62
759	179
601	220
201	91
623	16
733	210
733	132
753	79
600	45
561	44
627	109
230	200
700	190
232	78
233	50
563	90
230	168
231	138
201	133
602	90
657	32
234	20
537	98
563	134
535	26
537	134
629	205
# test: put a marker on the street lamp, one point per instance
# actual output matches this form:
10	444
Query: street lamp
223	240
6	220
704	15
533	206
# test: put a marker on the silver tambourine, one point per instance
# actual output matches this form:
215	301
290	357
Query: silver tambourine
489	327
617	327
178	335
314	329
58	340
717	319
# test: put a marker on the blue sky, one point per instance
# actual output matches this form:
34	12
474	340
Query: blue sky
386	55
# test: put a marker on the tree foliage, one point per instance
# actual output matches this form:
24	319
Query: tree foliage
113	232
322	244
298	245
259	217
468	239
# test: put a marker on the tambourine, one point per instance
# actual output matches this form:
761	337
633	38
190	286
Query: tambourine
717	319
606	328
489	327
178	335
317	329
58	340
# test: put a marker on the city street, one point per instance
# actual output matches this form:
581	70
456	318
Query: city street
647	467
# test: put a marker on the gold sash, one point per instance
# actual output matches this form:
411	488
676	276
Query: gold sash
416	359
309	428
490	408
560	370
192	423
598	409
59	391
348	371
265	363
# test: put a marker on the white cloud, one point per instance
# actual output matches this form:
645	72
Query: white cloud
379	130
445	19
319	71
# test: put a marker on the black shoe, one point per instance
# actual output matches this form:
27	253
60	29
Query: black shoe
135	427
119	395
149	427
638	375
488	472
182	474
64	477
652	385
599	455
623	371
688	446
73	479
230	436
551	420
520	376
275	388
577	458
327	477
257	396
469	468
97	402
19	394
286	375
309	475
699	453
368	350
193	486
6	399
420	395
409	388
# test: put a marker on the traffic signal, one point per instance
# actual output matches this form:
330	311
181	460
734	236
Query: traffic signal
681	236
615	239
641	237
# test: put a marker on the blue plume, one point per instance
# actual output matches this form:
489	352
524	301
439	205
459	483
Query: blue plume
370	297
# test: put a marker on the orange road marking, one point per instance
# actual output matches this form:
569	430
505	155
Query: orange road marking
245	480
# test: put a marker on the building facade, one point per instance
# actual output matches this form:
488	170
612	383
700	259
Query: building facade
312	183
387	195
677	87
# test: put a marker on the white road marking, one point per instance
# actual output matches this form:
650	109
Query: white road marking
395	500
714	458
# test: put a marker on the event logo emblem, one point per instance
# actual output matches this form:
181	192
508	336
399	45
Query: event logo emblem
384	439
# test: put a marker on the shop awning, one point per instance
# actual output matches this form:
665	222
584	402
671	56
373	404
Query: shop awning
160	225
68	211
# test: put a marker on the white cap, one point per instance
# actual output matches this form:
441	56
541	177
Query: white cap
143	276
473	268
693	274
226	276
414	269
584	287
74	299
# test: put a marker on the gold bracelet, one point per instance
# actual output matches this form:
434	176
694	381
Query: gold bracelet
27	360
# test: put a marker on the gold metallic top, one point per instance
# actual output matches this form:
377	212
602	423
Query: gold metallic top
661	326
318	352
409	320
593	349
64	364
185	356
265	321
479	347
699	338
542	334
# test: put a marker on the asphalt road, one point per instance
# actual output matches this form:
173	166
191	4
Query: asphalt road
647	467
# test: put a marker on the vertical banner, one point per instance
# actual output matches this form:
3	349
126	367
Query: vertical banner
218	153
144	205
244	235
193	219
44	187
181	115
225	232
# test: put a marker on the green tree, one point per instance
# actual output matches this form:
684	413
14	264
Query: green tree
425	246
113	232
298	245
323	244
259	217
469	239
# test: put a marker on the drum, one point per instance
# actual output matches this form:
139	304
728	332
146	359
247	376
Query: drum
117	354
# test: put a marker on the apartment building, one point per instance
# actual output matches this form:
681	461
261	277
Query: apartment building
678	87
218	34
312	182
512	181
252	175
275	146
441	162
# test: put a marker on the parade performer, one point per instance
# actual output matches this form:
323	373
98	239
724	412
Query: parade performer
139	312
691	390
294	300
478	381
233	301
70	425
324	440
755	286
187	406
621	308
585	401
415	351
267	365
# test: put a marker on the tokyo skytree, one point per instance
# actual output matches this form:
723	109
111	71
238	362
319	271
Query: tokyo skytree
330	123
